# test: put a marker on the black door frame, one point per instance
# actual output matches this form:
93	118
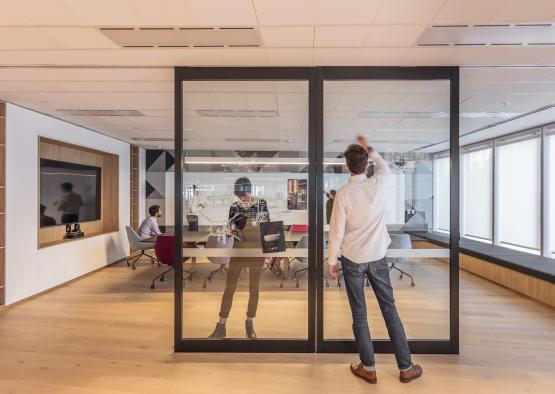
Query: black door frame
315	76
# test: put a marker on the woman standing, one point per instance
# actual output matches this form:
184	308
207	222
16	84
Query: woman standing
244	217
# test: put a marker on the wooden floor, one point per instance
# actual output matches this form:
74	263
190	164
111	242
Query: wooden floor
108	333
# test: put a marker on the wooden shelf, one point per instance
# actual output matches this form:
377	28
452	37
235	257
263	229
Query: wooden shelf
66	240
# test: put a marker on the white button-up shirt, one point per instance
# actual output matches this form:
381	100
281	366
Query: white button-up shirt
357	227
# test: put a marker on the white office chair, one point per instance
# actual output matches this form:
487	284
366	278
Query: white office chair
137	243
400	241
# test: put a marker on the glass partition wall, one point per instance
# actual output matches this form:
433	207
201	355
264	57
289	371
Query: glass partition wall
258	153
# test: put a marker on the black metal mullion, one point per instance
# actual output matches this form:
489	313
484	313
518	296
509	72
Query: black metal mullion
454	210
317	160
178	210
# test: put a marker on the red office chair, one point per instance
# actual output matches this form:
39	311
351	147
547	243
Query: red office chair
164	248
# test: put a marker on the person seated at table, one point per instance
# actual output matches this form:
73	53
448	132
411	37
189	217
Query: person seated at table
149	226
247	235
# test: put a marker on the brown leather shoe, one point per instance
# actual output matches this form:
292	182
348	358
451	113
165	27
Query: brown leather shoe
408	376
358	371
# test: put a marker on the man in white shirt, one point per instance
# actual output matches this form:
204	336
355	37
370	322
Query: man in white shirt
358	238
149	227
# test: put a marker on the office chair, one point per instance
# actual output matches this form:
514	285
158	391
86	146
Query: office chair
164	248
137	243
215	241
400	241
301	262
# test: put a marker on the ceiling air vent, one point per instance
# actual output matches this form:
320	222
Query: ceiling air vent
494	34
274	140
226	113
101	112
154	139
183	37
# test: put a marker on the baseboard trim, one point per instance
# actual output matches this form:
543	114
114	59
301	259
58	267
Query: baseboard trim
3	307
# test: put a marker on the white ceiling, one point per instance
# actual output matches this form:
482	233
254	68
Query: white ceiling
53	56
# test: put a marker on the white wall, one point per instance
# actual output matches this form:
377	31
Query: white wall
28	269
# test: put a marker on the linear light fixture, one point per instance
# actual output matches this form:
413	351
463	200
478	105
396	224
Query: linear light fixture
412	115
257	161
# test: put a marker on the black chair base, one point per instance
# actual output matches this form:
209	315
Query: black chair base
393	267
162	277
211	274
135	259
275	268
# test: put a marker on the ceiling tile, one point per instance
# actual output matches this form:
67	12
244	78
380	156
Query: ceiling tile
470	11
527	55
79	37
408	11
261	101
96	12
224	12
288	37
340	36
241	57
285	12
26	38
527	11
389	36
163	12
290	57
424	56
475	55
346	12
335	56
42	12
381	56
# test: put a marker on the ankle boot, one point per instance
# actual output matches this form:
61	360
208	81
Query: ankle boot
249	328
219	331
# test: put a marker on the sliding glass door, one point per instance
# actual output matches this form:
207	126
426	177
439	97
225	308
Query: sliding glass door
258	153
246	189
406	116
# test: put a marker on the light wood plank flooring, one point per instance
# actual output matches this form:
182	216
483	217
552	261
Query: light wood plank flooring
108	333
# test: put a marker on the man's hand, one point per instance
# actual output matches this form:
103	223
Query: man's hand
363	141
334	271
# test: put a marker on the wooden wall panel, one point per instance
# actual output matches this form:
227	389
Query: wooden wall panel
109	163
536	288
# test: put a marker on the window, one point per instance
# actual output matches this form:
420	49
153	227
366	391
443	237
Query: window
550	196
477	193
441	194
518	193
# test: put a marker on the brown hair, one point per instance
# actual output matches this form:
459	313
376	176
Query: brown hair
357	158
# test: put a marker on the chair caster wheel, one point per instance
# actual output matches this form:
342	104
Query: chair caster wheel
190	277
412	284
327	285
152	286
162	279
151	261
401	277
134	267
281	285
128	264
204	285
297	285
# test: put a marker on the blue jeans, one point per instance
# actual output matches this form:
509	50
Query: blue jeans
377	273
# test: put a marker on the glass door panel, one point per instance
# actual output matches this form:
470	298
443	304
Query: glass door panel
408	123
245	213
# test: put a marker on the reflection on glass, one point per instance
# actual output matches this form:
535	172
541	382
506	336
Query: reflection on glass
245	214
407	123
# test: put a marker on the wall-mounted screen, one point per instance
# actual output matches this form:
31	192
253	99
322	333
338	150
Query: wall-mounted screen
69	193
